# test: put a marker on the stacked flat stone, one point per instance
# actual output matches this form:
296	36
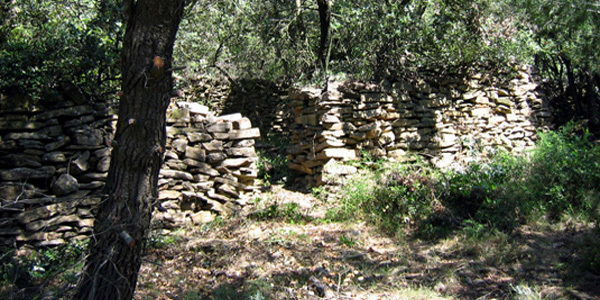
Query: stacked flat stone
442	120
213	91
263	101
210	164
53	163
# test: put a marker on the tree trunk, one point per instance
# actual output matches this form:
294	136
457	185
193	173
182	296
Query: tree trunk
298	30
594	101
123	217
325	22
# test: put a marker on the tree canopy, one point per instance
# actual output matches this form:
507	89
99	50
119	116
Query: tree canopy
79	40
46	42
368	39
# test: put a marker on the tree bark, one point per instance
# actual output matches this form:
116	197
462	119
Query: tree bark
325	25
123	217
298	30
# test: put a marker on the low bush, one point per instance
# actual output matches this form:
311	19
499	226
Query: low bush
485	191
404	195
353	197
565	172
560	175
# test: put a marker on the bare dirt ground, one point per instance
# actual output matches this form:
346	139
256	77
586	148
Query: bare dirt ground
249	258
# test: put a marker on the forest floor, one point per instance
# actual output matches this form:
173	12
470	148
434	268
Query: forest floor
275	250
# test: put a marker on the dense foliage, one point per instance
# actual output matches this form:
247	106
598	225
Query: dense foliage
279	39
48	42
45	42
247	39
566	47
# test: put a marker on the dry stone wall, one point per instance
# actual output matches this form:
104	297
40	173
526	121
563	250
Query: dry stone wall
54	162
263	102
441	120
210	164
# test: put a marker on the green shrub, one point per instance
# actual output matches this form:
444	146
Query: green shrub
290	212
389	195
565	172
487	191
473	230
45	263
349	241
353	196
561	175
402	196
158	240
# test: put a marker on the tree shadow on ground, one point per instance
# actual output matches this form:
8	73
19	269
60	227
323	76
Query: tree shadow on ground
244	258
265	259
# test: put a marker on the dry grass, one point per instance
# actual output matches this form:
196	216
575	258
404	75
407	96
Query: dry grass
273	259
299	255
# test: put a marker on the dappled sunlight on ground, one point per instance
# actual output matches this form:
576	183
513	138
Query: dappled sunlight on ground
243	258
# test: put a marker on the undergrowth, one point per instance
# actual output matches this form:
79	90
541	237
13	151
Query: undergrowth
21	271
289	212
272	160
560	175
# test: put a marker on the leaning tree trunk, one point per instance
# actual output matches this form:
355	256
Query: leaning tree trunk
123	217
